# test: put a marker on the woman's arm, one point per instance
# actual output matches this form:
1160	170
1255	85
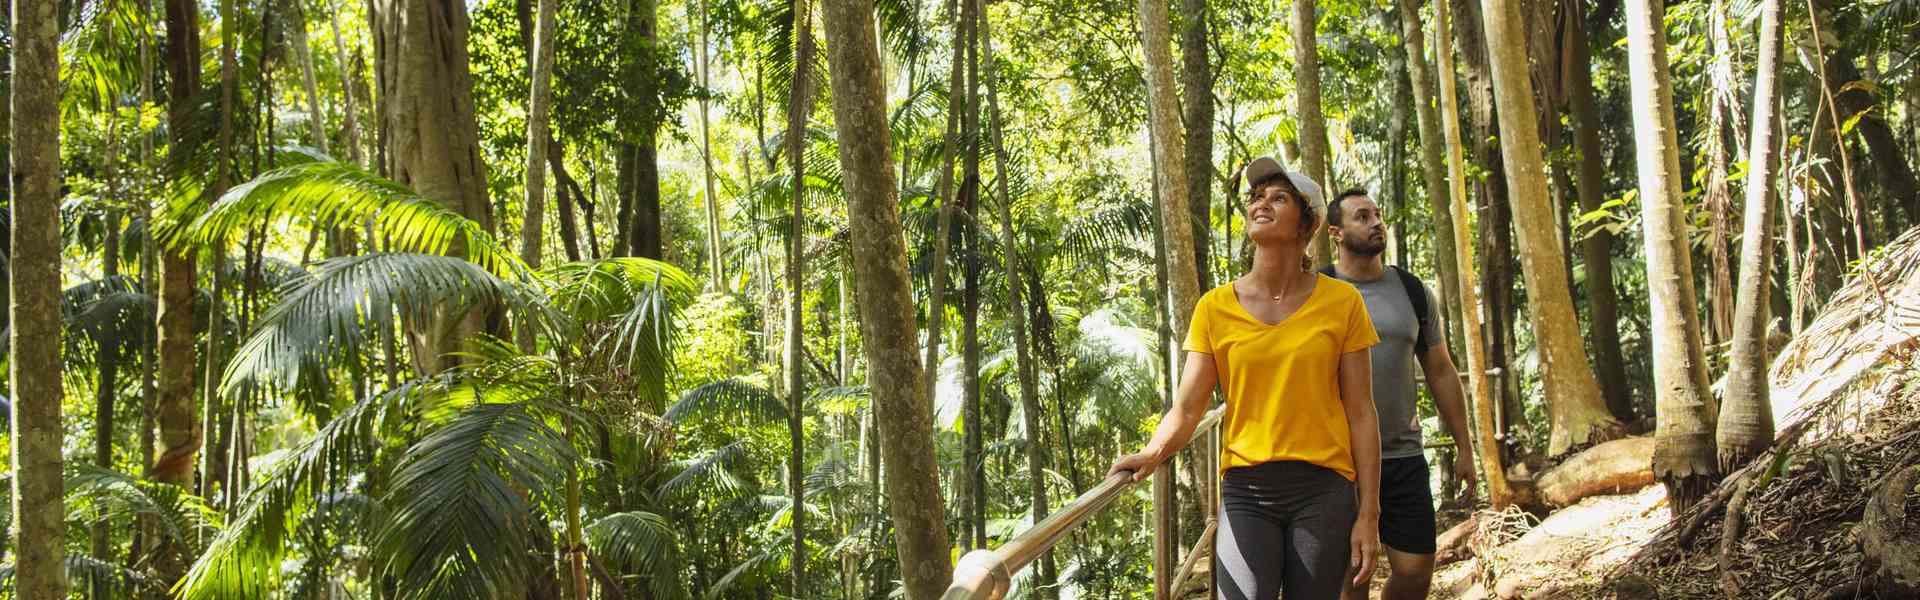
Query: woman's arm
1176	428
1356	397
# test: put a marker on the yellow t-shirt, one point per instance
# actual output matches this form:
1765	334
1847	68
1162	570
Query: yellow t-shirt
1282	380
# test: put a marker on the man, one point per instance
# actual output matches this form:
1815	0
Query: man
1409	329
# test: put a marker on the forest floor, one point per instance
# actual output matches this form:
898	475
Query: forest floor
1802	538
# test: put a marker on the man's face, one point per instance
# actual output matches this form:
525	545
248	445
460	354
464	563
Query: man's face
1361	230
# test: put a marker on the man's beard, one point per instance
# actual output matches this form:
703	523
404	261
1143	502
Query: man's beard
1364	247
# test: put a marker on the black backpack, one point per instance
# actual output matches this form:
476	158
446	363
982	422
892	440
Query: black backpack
1416	293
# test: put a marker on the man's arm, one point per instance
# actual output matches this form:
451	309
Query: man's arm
1449	397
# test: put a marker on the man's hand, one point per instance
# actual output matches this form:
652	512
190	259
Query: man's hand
1366	548
1142	464
1463	469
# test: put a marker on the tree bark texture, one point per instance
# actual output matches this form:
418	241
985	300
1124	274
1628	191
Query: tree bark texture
1499	493
716	248
1196	81
539	103
175	414
1596	247
799	105
1433	169
1163	116
1495	212
943	236
1746	424
1312	122
426	93
1579	414
886	299
33	282
1683	458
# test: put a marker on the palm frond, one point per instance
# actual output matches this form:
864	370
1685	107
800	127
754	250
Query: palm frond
104	493
461	510
711	475
81	567
1092	238
342	309
733	396
637	542
244	560
329	193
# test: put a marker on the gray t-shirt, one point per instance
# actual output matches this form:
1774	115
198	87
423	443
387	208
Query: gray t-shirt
1395	396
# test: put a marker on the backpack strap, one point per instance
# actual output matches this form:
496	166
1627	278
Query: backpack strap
1328	271
1417	294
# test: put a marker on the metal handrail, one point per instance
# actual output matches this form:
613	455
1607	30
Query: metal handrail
986	574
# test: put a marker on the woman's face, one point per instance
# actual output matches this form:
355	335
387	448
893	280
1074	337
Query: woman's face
1273	215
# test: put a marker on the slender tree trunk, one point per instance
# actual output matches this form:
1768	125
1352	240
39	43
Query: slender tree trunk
1025	370
1433	170
107	353
1579	414
1828	74
1498	492
1721	103
347	83
1495	215
1314	154
39	527
716	248
539	103
567	192
1683	458
426	91
1891	169
1746	420
799	104
937	295
1196	84
886	299
303	54
180	432
1164	121
1596	246
641	210
149	266
970	307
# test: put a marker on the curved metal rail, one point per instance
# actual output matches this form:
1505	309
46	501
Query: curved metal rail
985	574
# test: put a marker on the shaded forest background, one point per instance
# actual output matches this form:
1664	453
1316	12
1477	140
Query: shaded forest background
630	298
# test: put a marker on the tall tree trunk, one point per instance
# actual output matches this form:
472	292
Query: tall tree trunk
1196	83
1498	492
302	53
716	248
426	93
107	353
175	415
1433	170
970	327
1312	122
539	103
1683	456
1596	247
149	267
1163	118
942	241
1579	415
1025	370
1721	104
640	174
886	299
799	104
1746	419
348	81
39	527
1496	215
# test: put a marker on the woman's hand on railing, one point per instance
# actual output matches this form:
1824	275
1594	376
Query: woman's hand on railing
1141	464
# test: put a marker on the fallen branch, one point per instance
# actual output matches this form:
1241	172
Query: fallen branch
1730	533
1452	545
1615	467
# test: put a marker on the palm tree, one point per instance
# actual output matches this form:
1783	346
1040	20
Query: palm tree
33	279
1745	428
799	106
457	471
1683	457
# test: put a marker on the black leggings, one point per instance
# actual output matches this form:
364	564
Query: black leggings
1283	526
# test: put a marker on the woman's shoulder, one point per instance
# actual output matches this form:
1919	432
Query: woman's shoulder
1220	293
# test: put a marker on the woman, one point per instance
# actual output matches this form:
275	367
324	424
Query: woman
1289	348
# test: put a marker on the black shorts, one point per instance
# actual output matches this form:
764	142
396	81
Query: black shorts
1406	506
